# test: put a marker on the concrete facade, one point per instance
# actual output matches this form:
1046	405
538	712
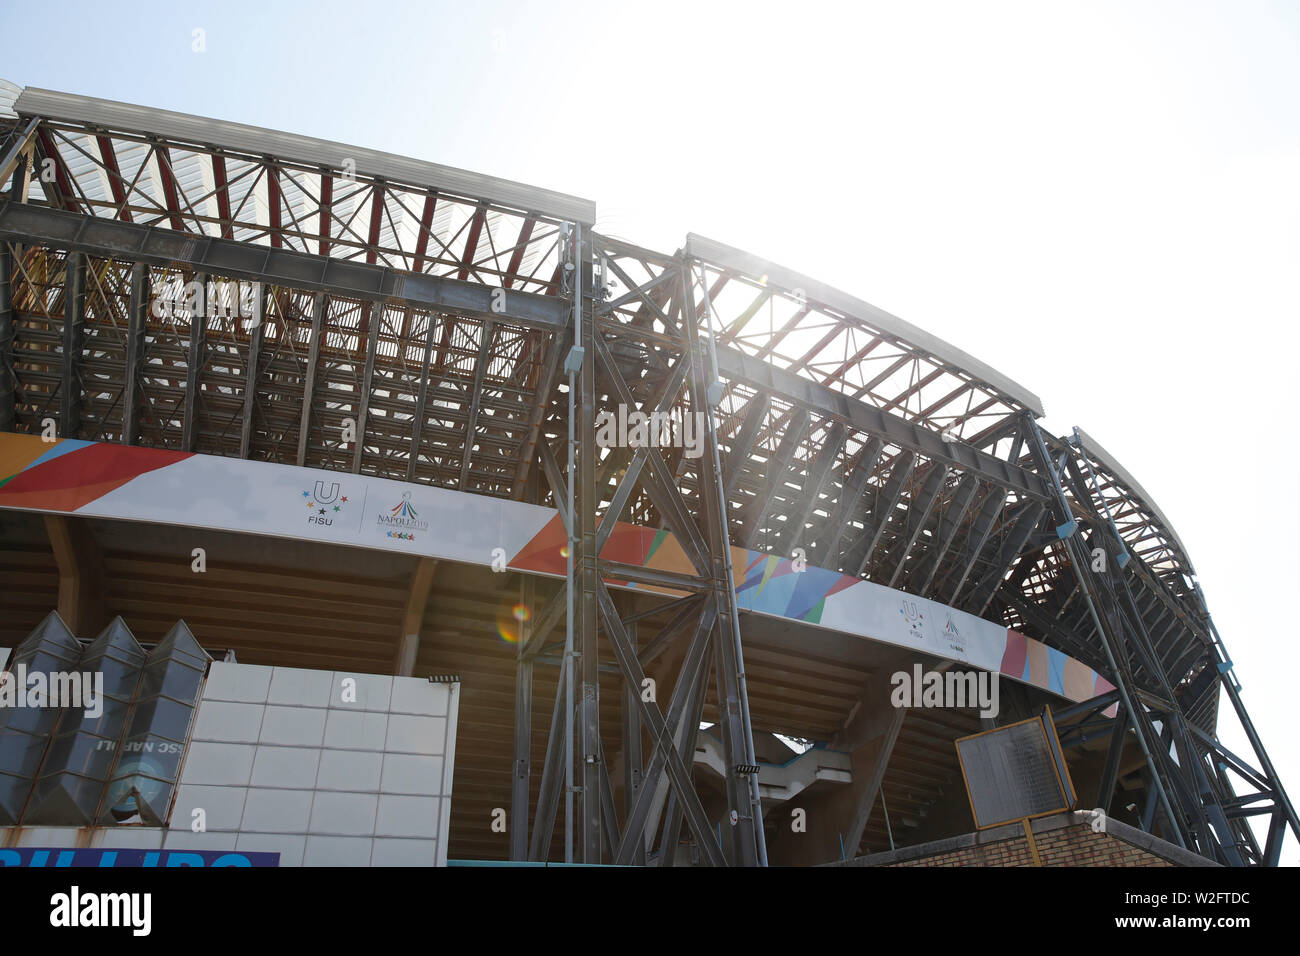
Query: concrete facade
326	768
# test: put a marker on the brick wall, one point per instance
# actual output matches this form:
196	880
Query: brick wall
1074	845
1063	839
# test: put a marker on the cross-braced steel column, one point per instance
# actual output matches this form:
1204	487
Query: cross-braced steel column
1199	807
743	798
588	572
8	377
663	794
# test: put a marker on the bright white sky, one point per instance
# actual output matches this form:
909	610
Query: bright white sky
1101	200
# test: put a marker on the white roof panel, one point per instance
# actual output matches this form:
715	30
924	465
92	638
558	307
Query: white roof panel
305	149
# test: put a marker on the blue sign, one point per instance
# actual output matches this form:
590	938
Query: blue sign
56	857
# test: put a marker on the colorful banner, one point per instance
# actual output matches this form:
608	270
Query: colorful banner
145	484
105	857
98	479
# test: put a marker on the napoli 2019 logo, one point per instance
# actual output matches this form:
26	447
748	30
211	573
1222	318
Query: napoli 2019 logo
954	636
402	520
404	509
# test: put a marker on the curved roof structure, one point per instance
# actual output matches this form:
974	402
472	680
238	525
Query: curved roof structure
835	369
828	362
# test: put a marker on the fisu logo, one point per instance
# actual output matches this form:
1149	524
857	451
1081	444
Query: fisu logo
324	503
913	618
326	497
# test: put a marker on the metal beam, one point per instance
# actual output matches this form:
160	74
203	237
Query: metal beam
537	413
633	765
13	164
74	322
548	793
665	755
8	376
812	489
1110	772
918	513
245	260
376	315
657	478
480	373
300	270
555	481
738	456
196	356
544	624
320	304
861	314
521	778
685	743
688	612
863	417
1012	546
587	580
859	554
421	401
949	521
744	800
136	323
827	549
777	467
979	532
250	381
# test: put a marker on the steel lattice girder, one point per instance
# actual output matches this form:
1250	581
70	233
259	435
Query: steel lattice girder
29	216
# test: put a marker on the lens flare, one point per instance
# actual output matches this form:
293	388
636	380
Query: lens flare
510	621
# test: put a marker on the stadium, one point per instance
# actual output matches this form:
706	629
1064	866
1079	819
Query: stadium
616	555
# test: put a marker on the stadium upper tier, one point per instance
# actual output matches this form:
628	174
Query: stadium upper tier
431	305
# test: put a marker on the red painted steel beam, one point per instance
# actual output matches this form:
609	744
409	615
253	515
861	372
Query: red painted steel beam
171	194
713	296
816	350
471	242
326	204
66	198
273	204
376	222
115	183
901	400
849	363
517	257
766	350
426	225
222	188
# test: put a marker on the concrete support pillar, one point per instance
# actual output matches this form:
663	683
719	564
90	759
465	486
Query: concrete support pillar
82	603
408	648
842	812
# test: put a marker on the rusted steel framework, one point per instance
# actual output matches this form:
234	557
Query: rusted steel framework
434	312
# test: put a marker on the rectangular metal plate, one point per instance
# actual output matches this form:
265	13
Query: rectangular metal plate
1010	774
